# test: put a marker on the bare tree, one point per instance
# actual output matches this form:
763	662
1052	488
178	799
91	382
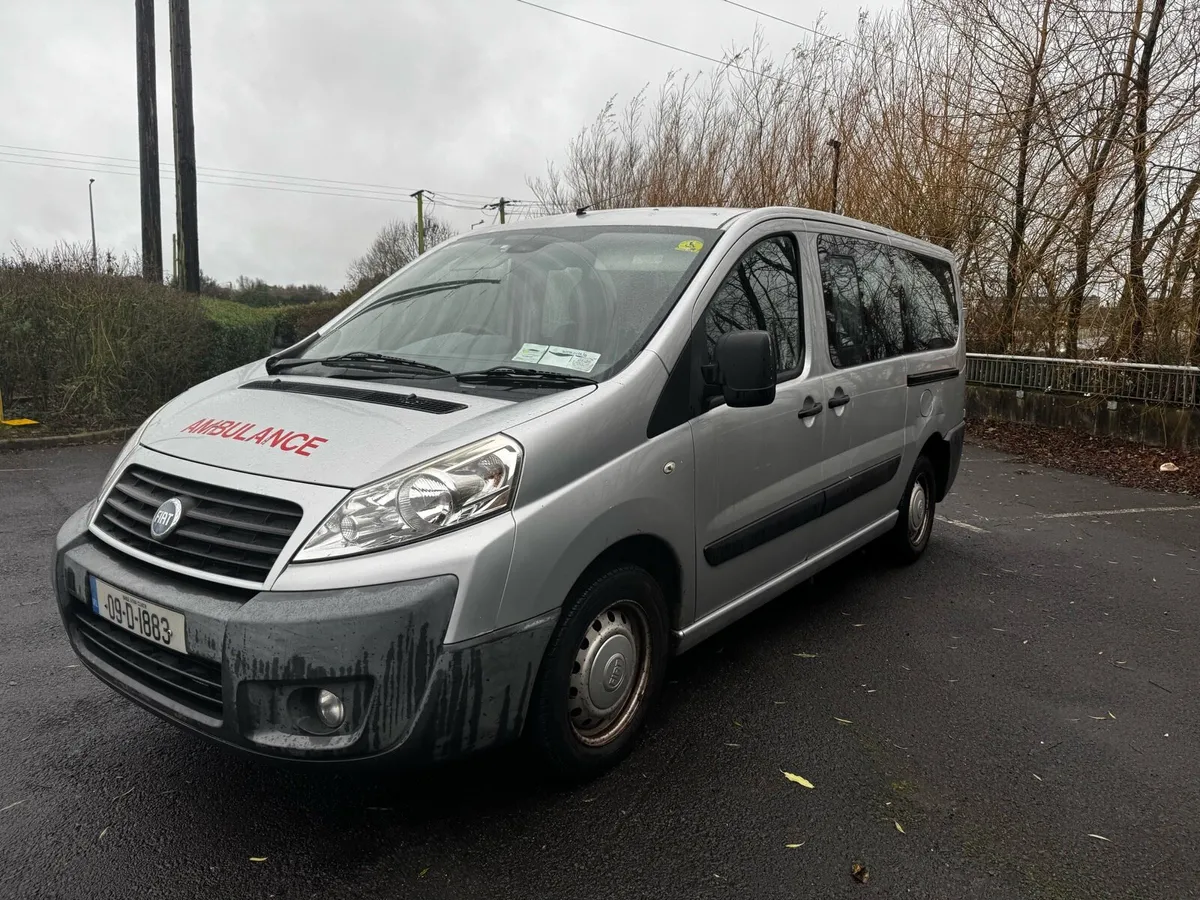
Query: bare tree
394	247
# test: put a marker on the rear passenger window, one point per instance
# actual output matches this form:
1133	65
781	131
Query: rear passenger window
862	310
931	313
762	293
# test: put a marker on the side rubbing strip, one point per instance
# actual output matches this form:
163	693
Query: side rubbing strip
798	514
849	489
793	516
932	377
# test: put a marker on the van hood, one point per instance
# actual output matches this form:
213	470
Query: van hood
327	431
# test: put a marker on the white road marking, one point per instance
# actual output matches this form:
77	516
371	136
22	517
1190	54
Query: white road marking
957	524
1104	513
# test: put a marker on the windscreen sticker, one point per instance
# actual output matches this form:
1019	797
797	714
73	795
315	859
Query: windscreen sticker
569	358
297	442
531	353
690	246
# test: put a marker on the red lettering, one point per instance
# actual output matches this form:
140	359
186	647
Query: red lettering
279	435
198	426
310	444
295	436
260	436
230	427
237	436
215	427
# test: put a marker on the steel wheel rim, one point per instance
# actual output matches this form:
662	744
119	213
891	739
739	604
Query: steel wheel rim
918	511
609	674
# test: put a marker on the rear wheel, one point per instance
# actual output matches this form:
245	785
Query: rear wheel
603	668
910	536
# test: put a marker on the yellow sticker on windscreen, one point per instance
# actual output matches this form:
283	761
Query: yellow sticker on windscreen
690	246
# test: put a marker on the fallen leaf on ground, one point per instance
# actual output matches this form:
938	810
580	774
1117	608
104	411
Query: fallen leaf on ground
1100	837
795	846
103	832
805	655
258	859
843	721
1038	777
1168	467
899	827
737	723
1110	715
803	782
727	744
11	805
860	873
421	874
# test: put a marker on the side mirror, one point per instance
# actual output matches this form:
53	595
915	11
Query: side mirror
745	368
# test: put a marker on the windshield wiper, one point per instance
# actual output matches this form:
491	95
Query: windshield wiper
532	377
419	290
360	359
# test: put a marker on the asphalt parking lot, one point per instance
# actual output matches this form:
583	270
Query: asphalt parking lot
1013	717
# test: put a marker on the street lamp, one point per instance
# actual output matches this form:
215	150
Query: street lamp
92	214
837	161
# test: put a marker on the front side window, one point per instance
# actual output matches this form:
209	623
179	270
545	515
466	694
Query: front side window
762	293
581	300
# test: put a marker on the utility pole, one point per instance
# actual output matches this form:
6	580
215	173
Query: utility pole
147	97
837	162
185	143
92	215
420	195
499	205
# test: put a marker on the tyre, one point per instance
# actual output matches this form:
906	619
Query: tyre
602	671
908	540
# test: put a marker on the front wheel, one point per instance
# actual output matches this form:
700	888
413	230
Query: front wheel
603	668
908	540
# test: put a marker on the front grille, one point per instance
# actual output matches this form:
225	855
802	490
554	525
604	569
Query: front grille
189	681
224	532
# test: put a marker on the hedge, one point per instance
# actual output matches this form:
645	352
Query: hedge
112	349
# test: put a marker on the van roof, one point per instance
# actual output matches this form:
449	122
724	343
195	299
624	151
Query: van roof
718	217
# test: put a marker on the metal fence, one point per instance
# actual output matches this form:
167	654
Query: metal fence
1174	385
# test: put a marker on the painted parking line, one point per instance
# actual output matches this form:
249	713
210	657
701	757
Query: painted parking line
965	525
1105	513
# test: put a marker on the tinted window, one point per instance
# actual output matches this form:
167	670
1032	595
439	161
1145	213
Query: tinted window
762	293
931	314
862	309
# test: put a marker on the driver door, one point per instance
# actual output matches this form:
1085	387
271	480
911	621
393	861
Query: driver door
758	470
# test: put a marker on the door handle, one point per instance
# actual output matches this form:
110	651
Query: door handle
835	402
811	408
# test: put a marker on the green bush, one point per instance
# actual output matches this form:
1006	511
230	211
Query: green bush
237	335
112	348
98	346
294	323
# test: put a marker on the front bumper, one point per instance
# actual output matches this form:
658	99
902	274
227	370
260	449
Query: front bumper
255	659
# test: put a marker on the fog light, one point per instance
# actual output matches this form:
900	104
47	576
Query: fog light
329	708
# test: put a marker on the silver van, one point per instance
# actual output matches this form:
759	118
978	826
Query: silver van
493	497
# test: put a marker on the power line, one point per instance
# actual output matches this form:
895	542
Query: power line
639	37
260	187
117	167
273	177
811	30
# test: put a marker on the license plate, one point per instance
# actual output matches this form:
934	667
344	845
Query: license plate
147	620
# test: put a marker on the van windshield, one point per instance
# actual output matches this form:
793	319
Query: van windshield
580	300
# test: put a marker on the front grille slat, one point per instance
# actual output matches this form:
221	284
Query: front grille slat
188	680
236	499
224	532
128	649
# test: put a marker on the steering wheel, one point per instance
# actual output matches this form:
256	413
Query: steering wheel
479	330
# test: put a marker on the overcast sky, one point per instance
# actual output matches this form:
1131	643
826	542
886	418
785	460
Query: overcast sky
461	97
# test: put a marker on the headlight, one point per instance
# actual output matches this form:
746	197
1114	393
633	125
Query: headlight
461	487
